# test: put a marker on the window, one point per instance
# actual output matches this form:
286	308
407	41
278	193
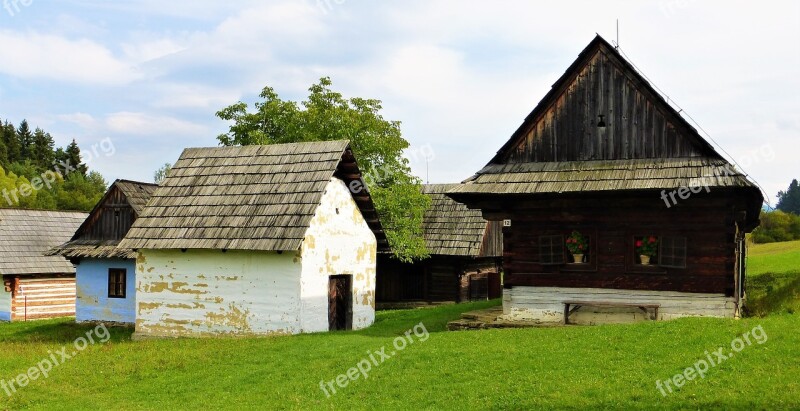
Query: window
116	282
672	252
551	249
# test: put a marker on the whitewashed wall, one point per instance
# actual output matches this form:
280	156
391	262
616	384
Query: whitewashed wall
208	292
338	241
5	303
545	304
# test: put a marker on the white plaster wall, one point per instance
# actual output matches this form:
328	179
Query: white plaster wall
338	241
545	304
208	292
5	303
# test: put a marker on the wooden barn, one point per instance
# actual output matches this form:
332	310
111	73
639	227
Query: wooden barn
465	257
106	274
615	207
36	286
255	240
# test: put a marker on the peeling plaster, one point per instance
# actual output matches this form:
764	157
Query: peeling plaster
248	292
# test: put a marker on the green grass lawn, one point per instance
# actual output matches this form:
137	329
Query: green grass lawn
575	367
773	278
773	257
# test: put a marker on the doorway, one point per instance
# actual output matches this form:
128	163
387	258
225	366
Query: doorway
340	302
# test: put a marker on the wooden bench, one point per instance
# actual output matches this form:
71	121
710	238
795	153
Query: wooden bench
578	304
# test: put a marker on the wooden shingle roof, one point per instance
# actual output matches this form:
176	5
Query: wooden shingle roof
602	175
245	198
449	227
135	194
25	235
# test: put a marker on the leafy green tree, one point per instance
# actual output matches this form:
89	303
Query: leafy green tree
377	143
81	192
25	138
777	226
789	200
161	173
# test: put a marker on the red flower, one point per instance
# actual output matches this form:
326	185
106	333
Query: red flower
580	247
639	243
652	239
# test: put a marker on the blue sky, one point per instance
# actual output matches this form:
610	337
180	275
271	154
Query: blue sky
460	75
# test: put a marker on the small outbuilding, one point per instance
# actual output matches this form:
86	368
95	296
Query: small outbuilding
465	257
615	208
36	286
256	240
105	273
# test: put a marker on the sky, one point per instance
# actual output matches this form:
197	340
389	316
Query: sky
135	82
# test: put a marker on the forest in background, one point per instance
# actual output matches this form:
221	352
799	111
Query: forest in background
36	174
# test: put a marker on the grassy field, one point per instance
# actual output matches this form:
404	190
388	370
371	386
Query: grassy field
610	366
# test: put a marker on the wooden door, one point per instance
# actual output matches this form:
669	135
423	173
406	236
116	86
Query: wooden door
495	286
340	302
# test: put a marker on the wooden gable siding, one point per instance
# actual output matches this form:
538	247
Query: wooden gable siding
639	123
111	221
709	227
492	245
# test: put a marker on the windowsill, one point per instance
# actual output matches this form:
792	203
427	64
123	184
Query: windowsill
645	269
578	268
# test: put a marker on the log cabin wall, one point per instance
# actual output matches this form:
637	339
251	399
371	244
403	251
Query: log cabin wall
436	279
708	224
43	296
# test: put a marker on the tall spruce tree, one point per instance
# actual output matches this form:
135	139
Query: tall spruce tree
11	141
789	200
25	138
43	155
74	158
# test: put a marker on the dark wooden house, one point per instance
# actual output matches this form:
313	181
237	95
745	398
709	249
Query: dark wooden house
465	257
35	286
105	273
604	155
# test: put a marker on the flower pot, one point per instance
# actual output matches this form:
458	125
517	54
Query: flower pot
645	259
578	258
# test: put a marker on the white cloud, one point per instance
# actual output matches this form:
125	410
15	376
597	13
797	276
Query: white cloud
83	120
154	125
152	49
195	96
37	55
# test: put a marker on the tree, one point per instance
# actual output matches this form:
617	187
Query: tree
789	200
42	153
376	142
161	173
11	142
777	226
73	158
25	138
3	149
